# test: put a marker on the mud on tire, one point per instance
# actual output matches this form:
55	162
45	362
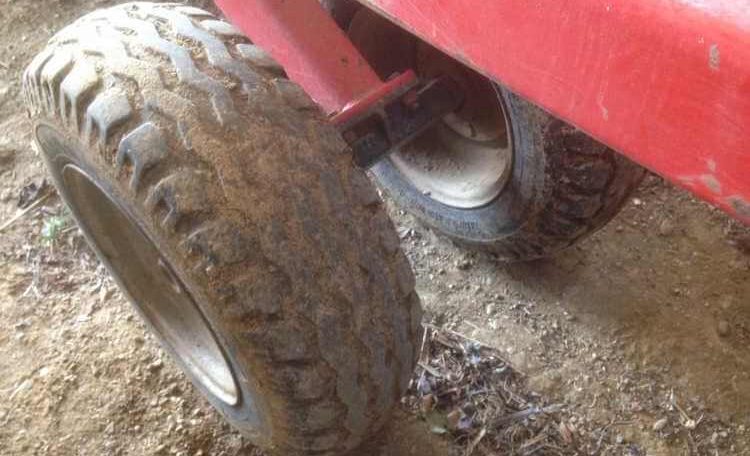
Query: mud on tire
250	197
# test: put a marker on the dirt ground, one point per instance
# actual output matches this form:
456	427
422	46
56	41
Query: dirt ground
640	335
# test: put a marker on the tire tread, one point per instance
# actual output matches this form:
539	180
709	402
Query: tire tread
142	105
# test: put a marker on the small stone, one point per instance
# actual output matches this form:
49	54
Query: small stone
21	325
454	419
173	389
723	328
660	424
427	404
666	227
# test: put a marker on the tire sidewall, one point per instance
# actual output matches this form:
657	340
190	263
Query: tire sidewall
251	419
503	216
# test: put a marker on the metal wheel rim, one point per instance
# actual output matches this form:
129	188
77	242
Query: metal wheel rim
458	165
150	281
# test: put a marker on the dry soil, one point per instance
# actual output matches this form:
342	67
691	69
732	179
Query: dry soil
642	332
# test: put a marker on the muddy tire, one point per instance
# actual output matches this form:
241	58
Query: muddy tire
562	185
230	214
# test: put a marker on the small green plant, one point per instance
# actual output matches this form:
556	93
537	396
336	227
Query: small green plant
53	227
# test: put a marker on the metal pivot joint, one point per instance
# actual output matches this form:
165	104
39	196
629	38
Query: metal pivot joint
399	117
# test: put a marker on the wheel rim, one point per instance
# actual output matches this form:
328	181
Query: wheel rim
465	160
149	279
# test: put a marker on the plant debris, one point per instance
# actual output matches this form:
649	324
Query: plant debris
32	192
464	389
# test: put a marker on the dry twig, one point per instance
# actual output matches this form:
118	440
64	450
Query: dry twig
25	211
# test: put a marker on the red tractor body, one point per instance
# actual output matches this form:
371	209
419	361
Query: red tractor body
666	83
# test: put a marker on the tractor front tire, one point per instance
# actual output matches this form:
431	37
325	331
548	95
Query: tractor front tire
231	215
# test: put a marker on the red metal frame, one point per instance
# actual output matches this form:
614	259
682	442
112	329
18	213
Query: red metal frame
665	82
314	52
